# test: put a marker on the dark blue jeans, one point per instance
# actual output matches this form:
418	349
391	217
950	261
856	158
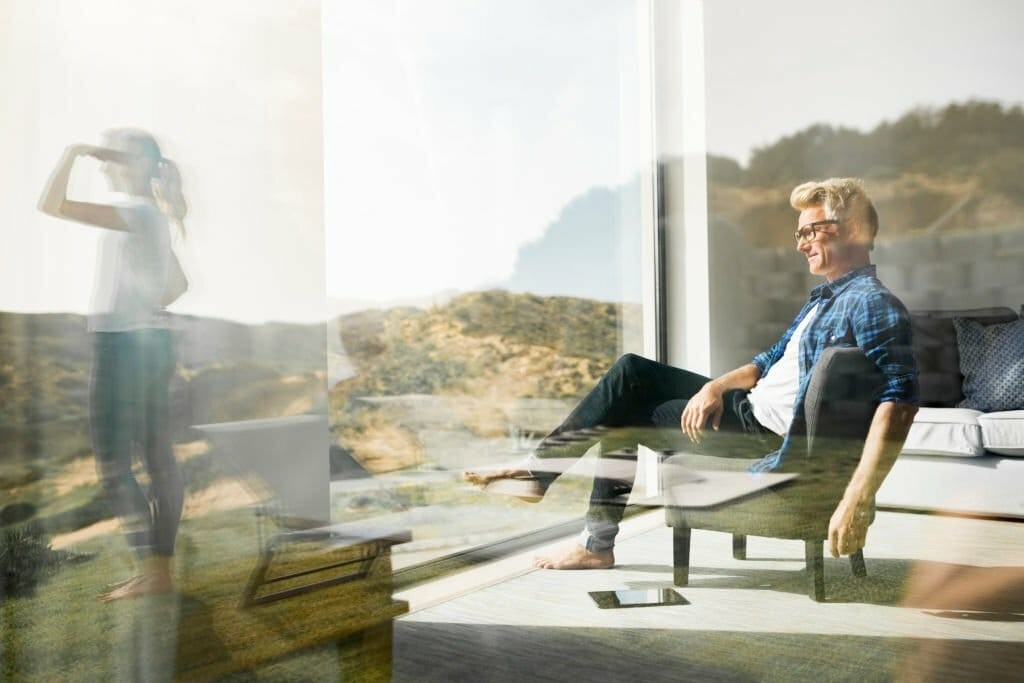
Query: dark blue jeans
130	411
640	402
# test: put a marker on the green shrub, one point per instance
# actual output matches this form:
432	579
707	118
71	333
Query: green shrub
26	559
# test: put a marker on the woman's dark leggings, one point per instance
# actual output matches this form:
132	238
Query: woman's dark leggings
130	412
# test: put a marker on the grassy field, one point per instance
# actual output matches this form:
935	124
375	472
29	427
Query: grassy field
63	632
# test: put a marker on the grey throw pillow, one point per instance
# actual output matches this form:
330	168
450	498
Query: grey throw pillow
992	363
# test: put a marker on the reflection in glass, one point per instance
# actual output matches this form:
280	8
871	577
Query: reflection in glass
483	250
137	278
938	142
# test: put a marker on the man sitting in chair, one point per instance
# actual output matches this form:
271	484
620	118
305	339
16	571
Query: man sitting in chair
750	409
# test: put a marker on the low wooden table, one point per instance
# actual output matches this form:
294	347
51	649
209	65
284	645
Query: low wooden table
308	588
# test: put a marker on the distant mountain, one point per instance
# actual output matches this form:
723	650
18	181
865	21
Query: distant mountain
592	250
955	168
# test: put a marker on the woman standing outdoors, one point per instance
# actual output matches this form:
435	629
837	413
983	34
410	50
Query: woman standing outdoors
137	277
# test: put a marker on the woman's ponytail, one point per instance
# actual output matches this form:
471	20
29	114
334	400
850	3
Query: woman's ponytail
169	194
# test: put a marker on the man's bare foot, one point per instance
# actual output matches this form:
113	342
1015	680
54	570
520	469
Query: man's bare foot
577	557
514	481
137	586
487	476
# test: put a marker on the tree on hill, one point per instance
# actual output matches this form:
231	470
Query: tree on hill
958	139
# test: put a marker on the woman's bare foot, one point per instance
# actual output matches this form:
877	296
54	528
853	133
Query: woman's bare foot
123	582
139	586
577	557
155	579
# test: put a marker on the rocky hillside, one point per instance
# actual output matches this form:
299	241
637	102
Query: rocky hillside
482	355
483	352
948	170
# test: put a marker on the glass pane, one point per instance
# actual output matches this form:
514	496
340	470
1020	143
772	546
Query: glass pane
483	213
920	101
102	382
937	141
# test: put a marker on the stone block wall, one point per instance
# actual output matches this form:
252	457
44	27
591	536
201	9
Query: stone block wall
756	292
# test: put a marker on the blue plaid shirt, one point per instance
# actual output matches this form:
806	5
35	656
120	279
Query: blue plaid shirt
853	310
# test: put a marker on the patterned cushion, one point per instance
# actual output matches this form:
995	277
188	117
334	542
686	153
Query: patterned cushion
992	362
935	349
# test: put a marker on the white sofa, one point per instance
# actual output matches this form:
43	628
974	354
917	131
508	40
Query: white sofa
957	459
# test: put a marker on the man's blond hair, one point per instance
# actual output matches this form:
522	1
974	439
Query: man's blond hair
843	199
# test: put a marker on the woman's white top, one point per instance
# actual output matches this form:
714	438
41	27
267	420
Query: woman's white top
132	272
774	395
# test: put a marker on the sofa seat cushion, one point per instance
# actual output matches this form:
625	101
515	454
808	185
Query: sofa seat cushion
989	485
1003	432
945	431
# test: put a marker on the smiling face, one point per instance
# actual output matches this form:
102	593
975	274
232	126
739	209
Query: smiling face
830	254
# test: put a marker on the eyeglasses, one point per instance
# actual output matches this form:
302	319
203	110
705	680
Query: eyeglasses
806	233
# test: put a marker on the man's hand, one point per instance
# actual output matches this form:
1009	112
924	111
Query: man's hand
705	405
848	528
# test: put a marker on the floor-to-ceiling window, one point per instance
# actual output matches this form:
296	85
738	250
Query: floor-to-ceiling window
417	233
414	234
920	100
231	94
487	187
923	102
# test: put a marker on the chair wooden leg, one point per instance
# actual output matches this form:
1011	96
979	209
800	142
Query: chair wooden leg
857	564
680	555
739	547
814	553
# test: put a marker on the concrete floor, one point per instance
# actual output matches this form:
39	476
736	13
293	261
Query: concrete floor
943	600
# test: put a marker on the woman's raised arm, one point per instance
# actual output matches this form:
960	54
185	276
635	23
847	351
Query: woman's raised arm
54	199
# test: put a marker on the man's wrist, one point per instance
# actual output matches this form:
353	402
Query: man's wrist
859	499
715	385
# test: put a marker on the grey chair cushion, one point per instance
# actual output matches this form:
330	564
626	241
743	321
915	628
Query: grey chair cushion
838	411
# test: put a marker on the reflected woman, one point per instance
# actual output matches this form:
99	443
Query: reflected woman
137	277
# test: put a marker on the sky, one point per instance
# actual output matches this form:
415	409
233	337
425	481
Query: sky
774	68
382	150
231	90
457	131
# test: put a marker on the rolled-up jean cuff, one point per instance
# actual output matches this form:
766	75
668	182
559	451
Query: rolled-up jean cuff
596	543
537	470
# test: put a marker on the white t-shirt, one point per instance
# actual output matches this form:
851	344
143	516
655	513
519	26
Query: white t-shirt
131	272
774	395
